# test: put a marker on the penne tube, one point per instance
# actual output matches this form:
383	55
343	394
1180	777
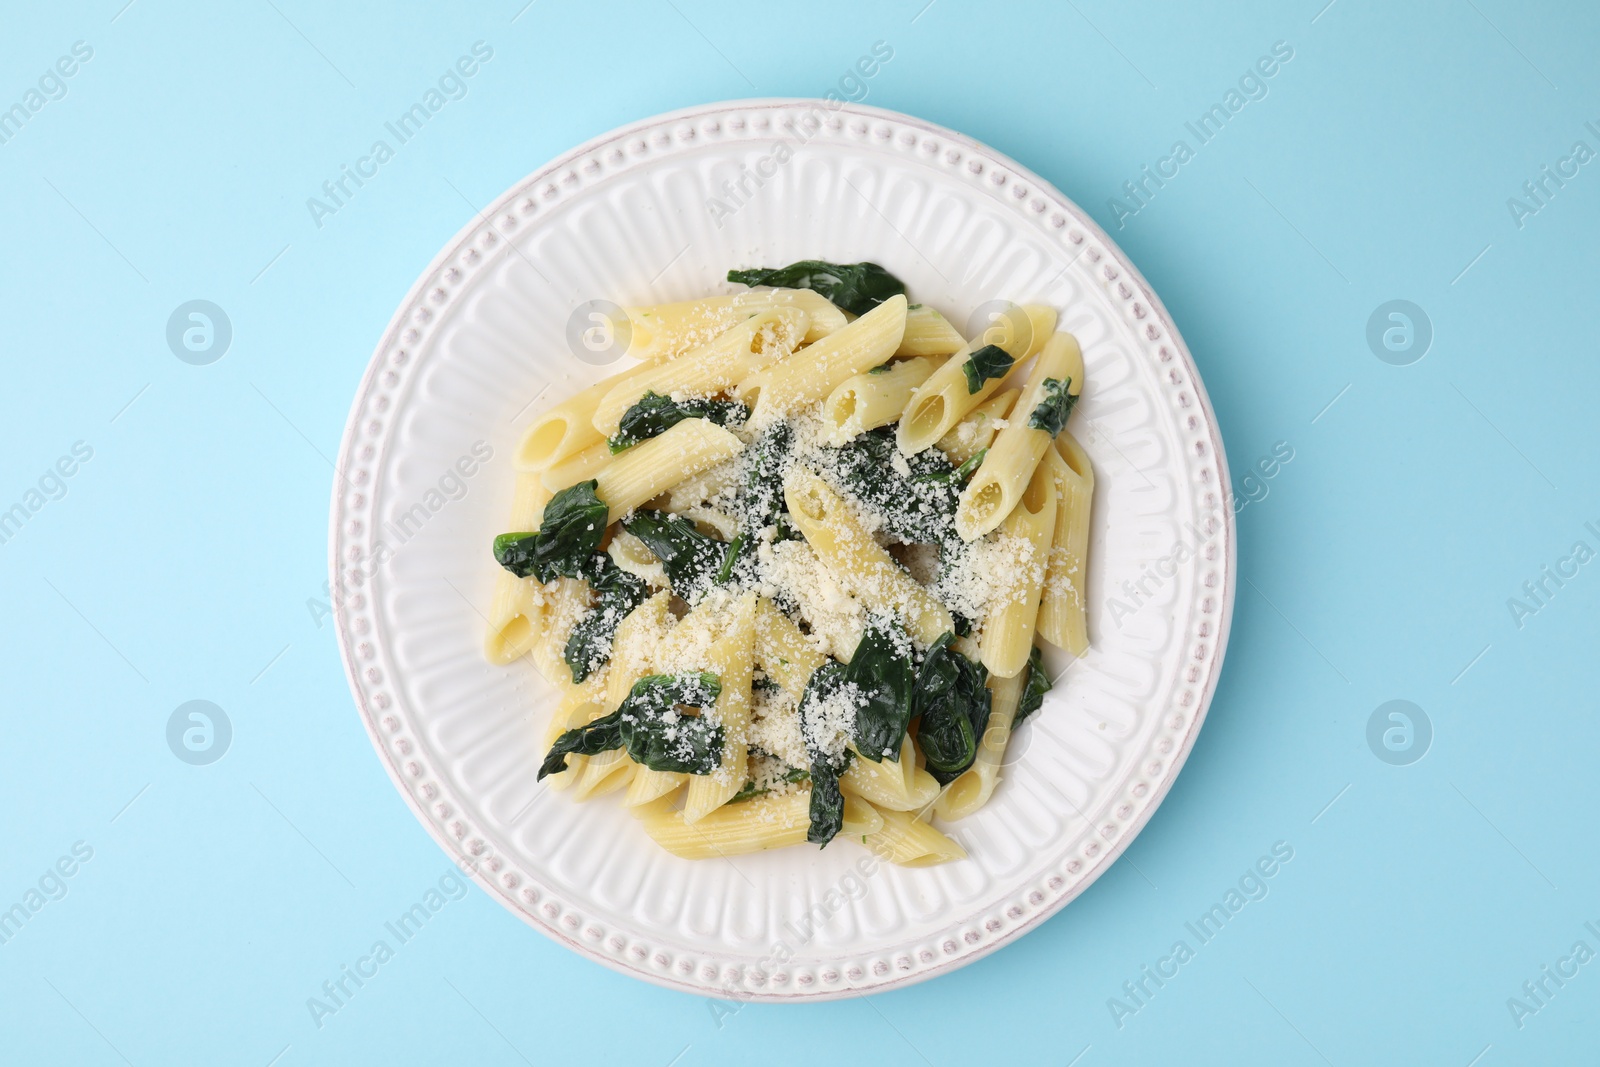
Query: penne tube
1006	640
602	774
715	367
749	826
733	662
816	370
861	566
515	613
1014	455
972	789
946	397
564	430
578	467
928	333
1063	608
782	652
666	331
873	399
910	842
901	786
527	501
650	468
647	785
579	704
974	433
565	601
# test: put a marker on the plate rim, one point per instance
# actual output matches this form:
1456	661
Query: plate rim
468	864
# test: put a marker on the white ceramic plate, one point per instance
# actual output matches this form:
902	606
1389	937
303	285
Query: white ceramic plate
480	346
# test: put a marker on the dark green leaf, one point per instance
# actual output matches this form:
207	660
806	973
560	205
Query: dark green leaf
761	499
990	361
691	559
1034	688
881	668
962	474
658	724
919	507
794	775
573	524
827	804
1053	411
953	703
618	592
882	368
654	414
856	287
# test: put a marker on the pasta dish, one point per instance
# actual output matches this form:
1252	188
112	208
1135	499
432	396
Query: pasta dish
789	569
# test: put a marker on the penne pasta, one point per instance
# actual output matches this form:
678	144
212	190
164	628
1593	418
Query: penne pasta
578	467
781	650
901	786
732	660
816	370
910	842
1011	460
1006	640
665	331
974	433
749	826
975	786
715	367
564	430
650	468
1063	609
928	333
946	397
579	704
873	399
861	566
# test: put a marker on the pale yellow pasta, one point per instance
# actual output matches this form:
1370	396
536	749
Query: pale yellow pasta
636	646
604	773
579	704
715	367
564	430
972	789
816	370
733	662
901	786
782	652
1063	614
928	333
515	612
861	566
945	398
527	501
647	785
750	825
974	433
565	601
908	841
649	469
870	400
1006	640
578	467
1014	455
665	331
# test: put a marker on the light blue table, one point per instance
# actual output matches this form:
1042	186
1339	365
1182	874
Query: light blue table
1387	158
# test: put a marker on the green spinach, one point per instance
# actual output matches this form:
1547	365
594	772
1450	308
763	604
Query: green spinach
691	560
573	524
881	669
655	725
856	287
1034	687
918	507
1052	412
750	789
618	592
827	802
654	414
953	703
990	361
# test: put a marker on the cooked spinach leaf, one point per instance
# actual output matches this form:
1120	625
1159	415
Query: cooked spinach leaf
953	703
618	592
990	361
1034	687
881	668
659	724
918	507
691	559
960	475
1053	411
760	499
827	803
856	287
573	524
654	414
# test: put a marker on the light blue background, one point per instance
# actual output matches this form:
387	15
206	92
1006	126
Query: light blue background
1378	566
